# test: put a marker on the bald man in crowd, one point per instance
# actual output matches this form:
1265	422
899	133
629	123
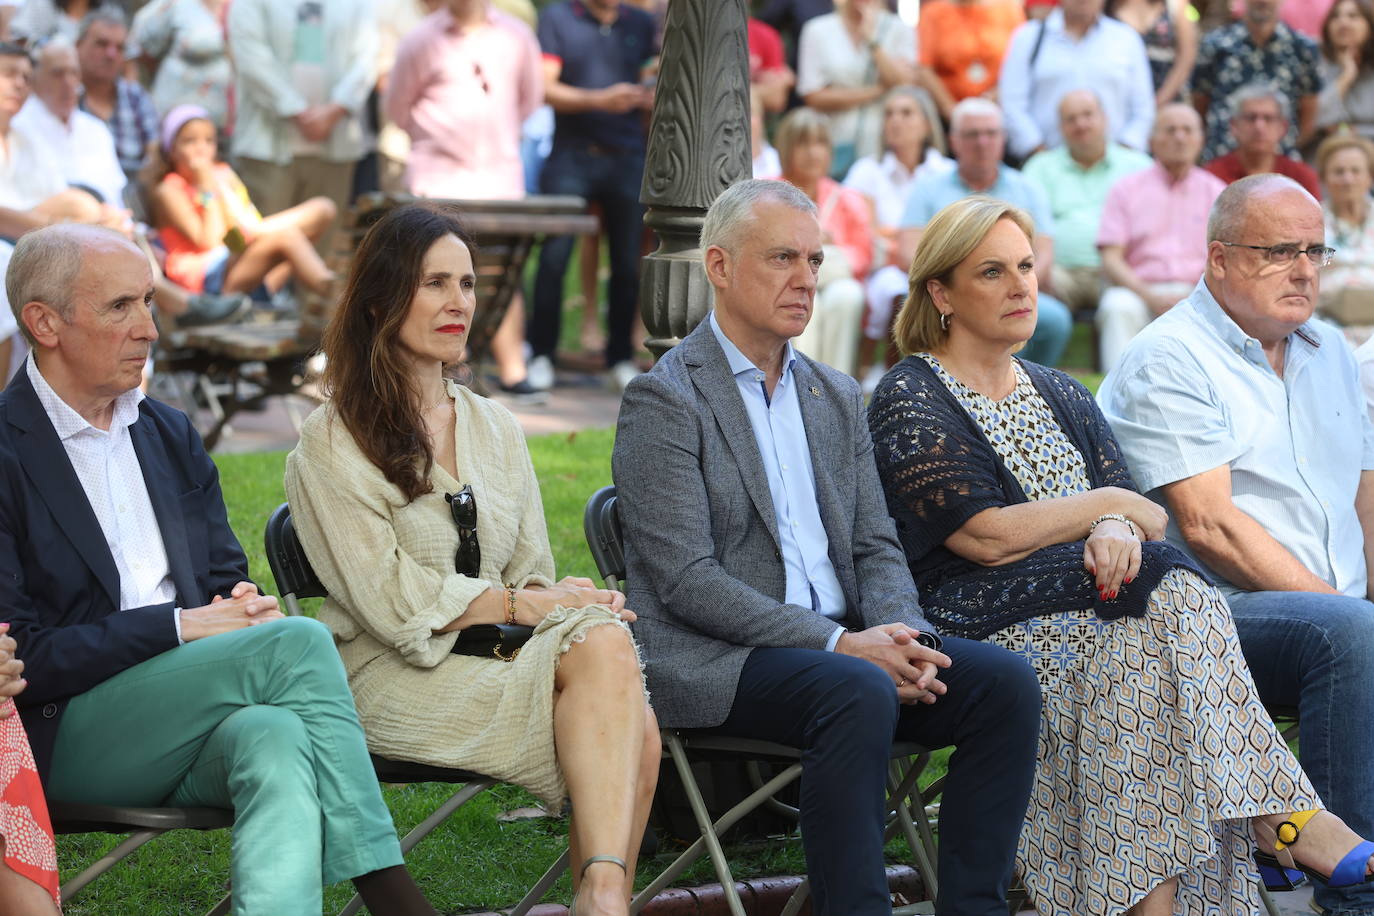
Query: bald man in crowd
1153	232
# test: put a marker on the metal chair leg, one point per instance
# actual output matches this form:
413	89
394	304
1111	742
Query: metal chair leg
106	862
541	887
1270	906
709	839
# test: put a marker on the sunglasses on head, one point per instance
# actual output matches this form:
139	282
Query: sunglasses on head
463	507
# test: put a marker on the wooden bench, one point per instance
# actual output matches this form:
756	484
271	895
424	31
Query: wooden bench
237	367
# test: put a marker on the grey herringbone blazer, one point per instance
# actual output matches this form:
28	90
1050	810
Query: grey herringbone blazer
704	568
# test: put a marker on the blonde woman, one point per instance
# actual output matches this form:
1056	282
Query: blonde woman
832	337
1022	527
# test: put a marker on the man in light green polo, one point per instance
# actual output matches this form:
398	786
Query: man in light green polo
1075	177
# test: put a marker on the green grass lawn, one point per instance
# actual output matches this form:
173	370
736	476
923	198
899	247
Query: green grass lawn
471	863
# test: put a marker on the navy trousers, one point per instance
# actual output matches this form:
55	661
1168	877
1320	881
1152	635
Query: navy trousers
610	179
843	713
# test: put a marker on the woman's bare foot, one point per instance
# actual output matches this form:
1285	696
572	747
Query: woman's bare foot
1325	840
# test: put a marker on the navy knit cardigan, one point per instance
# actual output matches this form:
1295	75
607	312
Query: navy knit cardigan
939	470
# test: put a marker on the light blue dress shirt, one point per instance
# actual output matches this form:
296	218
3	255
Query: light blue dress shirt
933	192
781	437
1109	59
1194	392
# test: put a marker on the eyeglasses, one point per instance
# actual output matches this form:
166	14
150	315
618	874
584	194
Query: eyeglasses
1259	117
1287	253
463	506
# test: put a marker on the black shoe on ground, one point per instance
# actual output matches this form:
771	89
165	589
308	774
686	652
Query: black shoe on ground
523	392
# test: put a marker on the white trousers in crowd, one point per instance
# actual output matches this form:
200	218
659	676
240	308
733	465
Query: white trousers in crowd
1121	315
832	337
884	285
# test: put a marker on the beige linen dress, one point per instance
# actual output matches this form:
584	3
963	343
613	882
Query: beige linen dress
388	565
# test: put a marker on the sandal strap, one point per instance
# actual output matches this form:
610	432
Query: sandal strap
614	860
1352	868
1288	832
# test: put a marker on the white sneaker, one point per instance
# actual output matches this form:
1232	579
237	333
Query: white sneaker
539	373
622	373
872	378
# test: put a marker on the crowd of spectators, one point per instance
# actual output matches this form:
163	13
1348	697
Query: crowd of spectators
1112	155
1060	108
499	98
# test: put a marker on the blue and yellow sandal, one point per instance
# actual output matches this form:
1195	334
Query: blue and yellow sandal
1280	872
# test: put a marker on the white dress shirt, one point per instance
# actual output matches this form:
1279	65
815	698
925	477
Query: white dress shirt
28	176
84	147
1109	59
107	466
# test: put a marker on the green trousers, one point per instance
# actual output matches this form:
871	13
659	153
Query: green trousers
259	720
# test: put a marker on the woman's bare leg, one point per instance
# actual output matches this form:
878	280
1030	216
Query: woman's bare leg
313	217
265	252
590	336
19	896
1158	902
598	727
508	344
650	755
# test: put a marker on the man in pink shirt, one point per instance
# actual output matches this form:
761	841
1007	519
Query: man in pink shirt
463	82
1153	233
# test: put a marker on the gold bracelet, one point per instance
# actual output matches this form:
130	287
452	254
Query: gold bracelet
510	607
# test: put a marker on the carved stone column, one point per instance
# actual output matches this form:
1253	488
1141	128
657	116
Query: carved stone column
698	146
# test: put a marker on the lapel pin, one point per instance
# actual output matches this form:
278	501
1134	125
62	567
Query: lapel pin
816	391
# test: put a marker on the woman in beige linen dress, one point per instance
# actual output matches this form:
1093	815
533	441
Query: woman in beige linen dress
367	485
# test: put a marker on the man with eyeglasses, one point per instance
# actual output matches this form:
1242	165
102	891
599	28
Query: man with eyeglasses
1245	417
1259	124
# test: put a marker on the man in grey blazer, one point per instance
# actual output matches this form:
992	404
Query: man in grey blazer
773	597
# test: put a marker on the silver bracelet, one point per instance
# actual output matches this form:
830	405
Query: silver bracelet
1113	517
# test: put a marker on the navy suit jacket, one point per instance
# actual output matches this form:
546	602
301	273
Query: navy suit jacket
59	586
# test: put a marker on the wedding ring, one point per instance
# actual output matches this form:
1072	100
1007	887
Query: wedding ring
901	682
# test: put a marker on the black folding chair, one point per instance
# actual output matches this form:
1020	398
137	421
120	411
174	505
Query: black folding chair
296	579
142	825
907	803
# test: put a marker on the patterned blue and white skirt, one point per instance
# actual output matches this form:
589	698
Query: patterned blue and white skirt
1155	751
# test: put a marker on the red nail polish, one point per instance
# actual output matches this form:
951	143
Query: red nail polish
1112	595
1129	581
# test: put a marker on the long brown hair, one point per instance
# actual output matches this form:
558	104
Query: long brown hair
1366	56
365	374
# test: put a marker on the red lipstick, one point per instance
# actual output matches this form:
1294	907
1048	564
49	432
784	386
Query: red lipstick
452	328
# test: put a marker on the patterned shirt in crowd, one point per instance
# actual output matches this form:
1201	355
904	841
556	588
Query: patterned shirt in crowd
133	122
1229	60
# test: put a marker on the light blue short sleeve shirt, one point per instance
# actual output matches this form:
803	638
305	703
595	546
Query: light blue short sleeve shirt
1194	392
932	193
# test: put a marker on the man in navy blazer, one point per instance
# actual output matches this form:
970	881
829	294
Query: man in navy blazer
773	598
158	675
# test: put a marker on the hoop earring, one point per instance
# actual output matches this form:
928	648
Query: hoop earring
944	321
